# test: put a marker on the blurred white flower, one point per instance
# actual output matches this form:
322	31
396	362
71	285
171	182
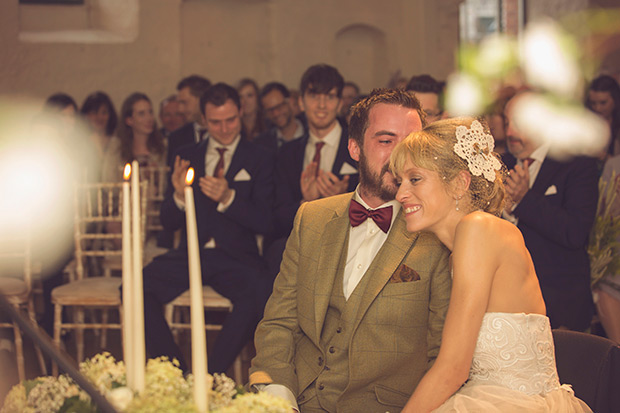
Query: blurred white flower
496	56
120	398
464	95
549	59
568	129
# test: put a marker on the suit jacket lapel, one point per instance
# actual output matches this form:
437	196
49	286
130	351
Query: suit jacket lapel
545	174
238	160
396	246
342	155
333	242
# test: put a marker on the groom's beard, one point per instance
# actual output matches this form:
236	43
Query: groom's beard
380	185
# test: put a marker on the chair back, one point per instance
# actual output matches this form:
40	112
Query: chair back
591	364
98	221
157	181
15	264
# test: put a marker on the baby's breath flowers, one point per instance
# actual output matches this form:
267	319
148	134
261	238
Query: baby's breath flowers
166	390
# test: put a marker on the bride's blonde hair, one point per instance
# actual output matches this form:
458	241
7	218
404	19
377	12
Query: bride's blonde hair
432	148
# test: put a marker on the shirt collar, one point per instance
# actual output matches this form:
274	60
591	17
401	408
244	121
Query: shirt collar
331	139
231	147
540	153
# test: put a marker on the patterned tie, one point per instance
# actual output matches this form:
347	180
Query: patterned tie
381	216
220	163
317	156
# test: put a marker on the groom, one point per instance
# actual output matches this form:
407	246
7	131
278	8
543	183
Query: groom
357	310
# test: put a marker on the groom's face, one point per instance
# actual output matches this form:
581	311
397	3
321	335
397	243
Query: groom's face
388	124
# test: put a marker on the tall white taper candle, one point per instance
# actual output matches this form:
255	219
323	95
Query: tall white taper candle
199	340
139	352
127	282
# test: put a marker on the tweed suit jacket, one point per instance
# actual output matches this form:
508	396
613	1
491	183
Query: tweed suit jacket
398	326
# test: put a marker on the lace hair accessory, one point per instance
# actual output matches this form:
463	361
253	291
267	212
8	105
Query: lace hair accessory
476	147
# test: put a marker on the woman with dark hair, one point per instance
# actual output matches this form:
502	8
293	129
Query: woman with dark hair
603	97
251	109
101	115
138	138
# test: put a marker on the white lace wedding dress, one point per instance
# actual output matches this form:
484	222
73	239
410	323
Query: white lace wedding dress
513	370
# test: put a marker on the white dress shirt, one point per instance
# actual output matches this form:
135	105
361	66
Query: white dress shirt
329	150
365	241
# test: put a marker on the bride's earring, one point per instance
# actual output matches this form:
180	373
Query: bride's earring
457	203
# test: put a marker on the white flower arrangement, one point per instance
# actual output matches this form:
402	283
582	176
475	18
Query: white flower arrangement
166	390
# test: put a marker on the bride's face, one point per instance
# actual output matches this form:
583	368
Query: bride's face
424	198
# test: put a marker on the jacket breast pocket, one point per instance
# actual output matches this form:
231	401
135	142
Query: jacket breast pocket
411	289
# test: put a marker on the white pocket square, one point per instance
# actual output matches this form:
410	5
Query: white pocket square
552	190
242	175
347	169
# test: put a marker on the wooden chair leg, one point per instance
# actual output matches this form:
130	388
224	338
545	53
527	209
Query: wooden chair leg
57	330
79	334
33	320
104	330
19	352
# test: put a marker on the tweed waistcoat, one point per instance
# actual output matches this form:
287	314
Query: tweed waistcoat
335	339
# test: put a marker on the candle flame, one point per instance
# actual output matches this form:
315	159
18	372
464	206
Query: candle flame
127	172
189	178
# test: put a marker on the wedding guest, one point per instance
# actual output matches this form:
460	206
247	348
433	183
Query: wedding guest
607	290
189	91
497	347
58	123
276	102
99	110
604	98
495	120
554	204
350	92
138	139
233	192
251	109
318	165
357	310
170	116
430	94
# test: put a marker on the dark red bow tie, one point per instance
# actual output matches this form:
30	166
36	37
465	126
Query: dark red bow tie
381	216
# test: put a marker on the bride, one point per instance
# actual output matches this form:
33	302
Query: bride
496	339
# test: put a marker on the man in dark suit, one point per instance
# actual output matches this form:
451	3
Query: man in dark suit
275	98
318	165
189	91
233	194
554	207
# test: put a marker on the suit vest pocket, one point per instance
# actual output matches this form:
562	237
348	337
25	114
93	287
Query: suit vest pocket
391	397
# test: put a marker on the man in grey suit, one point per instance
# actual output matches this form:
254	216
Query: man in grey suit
357	310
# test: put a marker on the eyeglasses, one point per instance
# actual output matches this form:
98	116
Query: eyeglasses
276	108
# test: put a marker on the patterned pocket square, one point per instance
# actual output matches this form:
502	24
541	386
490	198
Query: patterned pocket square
404	274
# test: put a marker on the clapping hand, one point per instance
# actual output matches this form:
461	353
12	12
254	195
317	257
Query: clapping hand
178	177
308	182
518	182
330	185
216	187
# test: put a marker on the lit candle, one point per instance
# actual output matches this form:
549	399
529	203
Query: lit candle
127	280
199	339
138	352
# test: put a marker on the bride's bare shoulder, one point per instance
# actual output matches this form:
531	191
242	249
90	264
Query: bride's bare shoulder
480	224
